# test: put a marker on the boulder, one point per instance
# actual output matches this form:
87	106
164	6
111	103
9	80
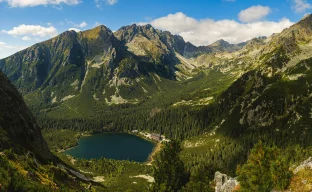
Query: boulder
224	183
307	164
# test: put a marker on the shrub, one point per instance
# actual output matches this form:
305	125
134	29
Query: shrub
265	170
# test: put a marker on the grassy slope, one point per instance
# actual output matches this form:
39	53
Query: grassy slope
82	106
286	121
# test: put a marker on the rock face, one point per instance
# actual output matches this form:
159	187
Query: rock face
18	128
164	40
224	183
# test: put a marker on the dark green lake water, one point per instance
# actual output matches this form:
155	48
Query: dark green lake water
119	146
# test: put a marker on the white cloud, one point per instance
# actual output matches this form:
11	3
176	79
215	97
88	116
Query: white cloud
24	32
111	2
34	30
301	6
175	23
97	24
254	13
99	3
207	31
33	3
74	29
26	38
81	25
69	22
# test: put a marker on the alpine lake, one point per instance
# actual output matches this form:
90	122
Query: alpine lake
118	146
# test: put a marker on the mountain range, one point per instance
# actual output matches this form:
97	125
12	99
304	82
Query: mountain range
143	78
100	63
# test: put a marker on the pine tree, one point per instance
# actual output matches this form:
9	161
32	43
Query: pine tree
169	172
264	170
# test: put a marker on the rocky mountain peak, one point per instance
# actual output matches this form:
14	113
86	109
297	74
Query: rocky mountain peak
224	46
255	42
303	27
126	34
98	32
306	18
67	35
301	31
221	43
103	28
289	39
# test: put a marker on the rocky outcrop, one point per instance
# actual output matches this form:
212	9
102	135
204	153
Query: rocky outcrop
224	183
307	164
302	176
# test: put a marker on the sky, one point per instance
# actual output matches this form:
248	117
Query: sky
202	22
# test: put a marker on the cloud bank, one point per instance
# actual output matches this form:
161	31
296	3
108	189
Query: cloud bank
33	3
207	31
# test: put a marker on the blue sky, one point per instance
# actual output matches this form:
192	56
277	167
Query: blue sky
26	22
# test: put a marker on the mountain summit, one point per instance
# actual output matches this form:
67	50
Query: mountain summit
224	46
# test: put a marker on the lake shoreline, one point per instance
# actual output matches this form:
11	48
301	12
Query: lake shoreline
87	134
154	146
155	151
80	135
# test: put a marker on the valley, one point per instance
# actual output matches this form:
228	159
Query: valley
223	107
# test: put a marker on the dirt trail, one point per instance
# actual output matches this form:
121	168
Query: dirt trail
154	153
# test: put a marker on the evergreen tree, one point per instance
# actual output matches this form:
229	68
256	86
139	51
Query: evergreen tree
169	172
264	170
